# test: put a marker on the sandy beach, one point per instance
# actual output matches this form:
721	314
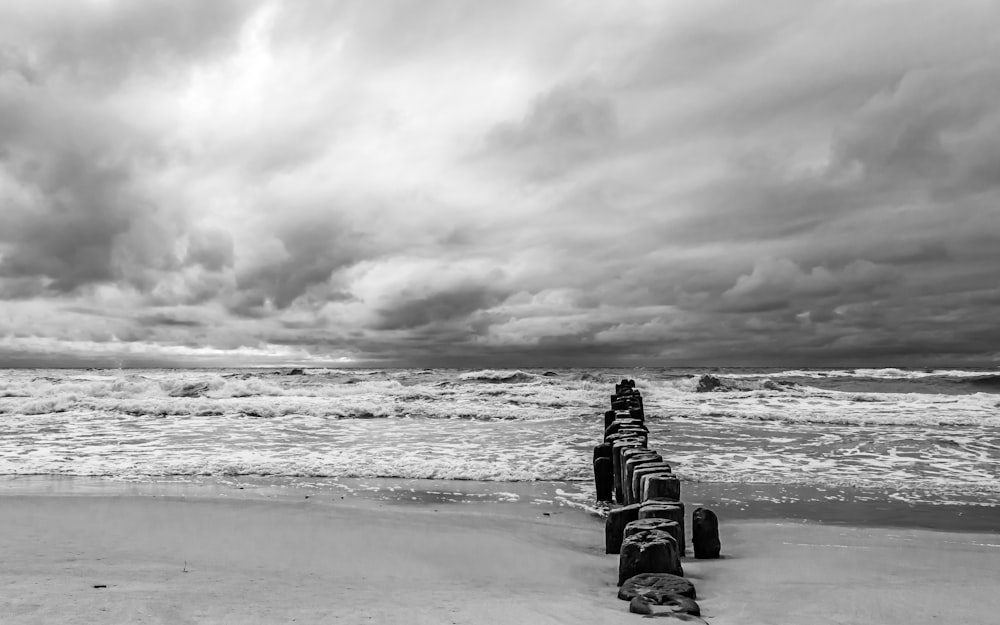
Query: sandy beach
127	558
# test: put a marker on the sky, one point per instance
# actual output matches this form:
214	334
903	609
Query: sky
499	184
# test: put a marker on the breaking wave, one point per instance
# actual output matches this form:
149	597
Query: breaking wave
500	425
986	381
888	373
498	377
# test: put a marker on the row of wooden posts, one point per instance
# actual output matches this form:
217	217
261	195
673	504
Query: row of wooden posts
645	523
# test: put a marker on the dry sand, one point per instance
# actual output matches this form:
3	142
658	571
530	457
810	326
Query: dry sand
326	560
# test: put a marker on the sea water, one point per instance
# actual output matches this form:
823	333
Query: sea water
927	436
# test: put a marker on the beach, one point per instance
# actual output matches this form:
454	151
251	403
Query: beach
89	553
478	313
468	496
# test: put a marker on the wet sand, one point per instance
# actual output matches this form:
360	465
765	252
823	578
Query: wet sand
205	560
177	558
788	572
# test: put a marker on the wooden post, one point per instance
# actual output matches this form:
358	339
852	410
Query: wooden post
655	468
664	525
603	477
614	527
625	385
602	451
609	418
616	458
627	455
661	487
705	534
650	551
619	424
630	431
667	492
625	434
631	465
651	523
672	510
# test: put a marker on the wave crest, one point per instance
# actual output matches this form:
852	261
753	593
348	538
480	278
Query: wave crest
711	383
496	376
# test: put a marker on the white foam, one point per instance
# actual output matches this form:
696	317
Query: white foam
493	375
425	425
888	373
804	404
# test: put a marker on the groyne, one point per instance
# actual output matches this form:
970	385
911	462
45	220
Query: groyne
646	522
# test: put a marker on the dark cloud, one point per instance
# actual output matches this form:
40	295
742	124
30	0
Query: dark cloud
310	252
20	288
931	134
163	319
454	304
78	218
69	235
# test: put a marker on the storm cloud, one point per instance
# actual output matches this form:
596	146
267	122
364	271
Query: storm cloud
499	184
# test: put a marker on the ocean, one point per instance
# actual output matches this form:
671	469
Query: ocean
915	436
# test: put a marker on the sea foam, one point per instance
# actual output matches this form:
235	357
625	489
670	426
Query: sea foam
495	425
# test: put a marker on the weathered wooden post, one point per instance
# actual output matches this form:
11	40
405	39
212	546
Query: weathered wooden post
663	525
629	455
620	402
644	482
642	473
628	434
633	463
603	472
609	418
671	510
614	526
643	525
659	486
618	425
616	457
623	386
648	551
705	534
645	469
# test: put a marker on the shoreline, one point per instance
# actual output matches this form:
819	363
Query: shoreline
188	555
731	501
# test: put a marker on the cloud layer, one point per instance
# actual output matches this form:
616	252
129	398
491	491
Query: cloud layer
499	184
